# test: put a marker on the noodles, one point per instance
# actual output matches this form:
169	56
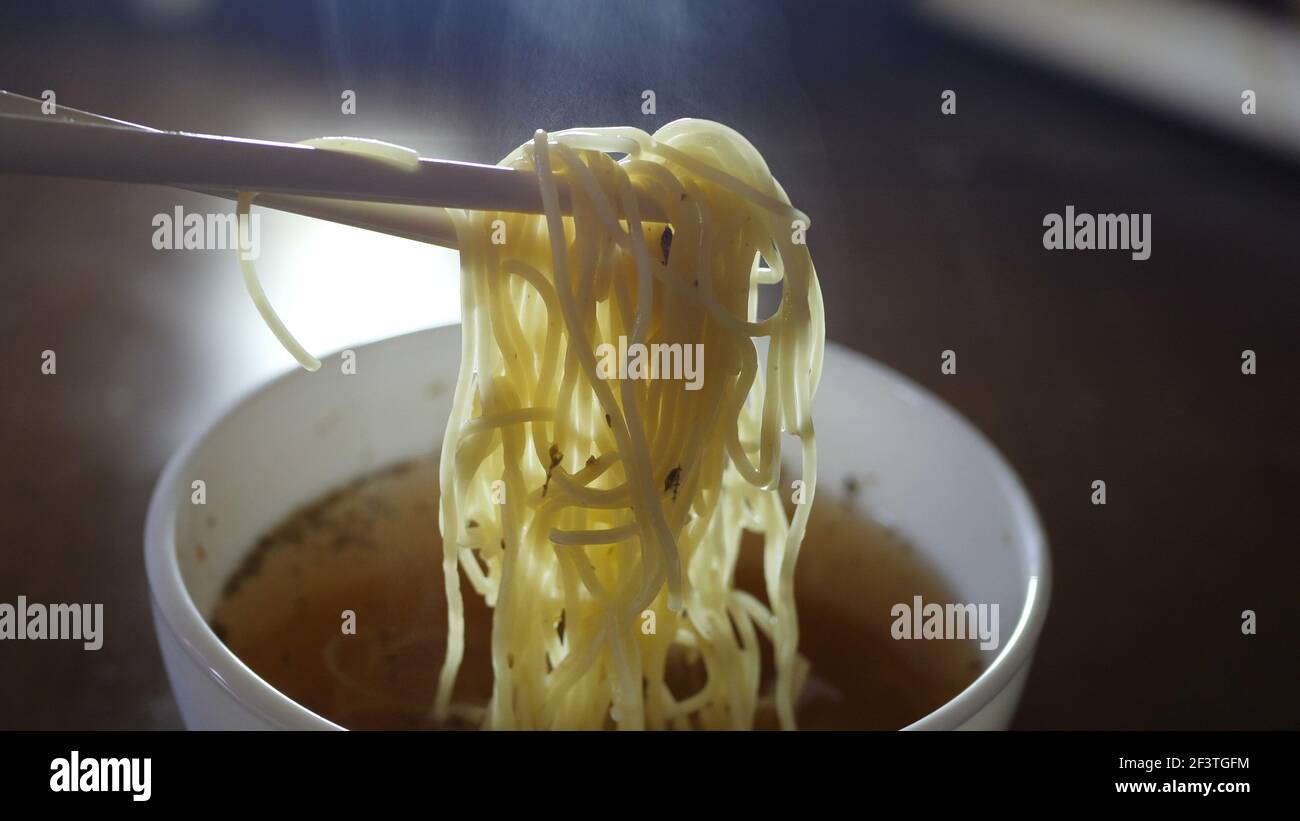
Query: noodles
600	512
380	151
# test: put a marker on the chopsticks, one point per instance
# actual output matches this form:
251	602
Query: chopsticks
320	183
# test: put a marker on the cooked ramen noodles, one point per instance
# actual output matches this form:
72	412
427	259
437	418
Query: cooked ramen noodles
594	494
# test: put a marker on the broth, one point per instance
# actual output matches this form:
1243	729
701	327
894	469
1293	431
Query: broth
373	548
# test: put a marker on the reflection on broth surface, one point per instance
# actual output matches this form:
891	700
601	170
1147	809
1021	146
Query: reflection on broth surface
373	548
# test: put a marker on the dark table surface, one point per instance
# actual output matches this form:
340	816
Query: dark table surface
927	237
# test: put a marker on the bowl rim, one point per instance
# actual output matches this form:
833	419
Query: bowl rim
178	612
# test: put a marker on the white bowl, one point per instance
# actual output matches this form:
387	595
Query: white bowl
934	477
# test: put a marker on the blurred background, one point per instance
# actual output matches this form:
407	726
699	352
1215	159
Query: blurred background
927	236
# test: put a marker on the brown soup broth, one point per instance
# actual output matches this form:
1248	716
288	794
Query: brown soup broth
373	548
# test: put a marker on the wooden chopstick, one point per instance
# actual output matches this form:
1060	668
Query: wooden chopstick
423	223
417	222
58	148
326	184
